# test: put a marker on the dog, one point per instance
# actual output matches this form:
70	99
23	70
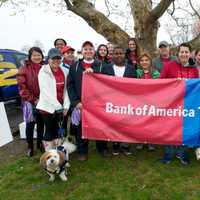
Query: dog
197	151
56	160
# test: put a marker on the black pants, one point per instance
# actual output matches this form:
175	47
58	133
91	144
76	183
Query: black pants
82	144
101	146
30	130
51	122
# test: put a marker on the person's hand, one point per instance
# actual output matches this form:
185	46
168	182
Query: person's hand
65	112
79	105
88	71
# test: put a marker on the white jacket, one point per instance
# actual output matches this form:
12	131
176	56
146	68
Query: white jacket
48	94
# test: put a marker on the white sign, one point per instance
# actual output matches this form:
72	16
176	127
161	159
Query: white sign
22	131
5	133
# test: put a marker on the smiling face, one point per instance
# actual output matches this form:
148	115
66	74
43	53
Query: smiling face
118	57
132	45
88	52
55	62
184	55
103	51
145	62
36	57
69	55
60	44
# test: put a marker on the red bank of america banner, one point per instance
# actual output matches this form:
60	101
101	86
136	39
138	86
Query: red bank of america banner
162	111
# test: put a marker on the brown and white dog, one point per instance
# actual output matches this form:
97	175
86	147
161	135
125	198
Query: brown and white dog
56	160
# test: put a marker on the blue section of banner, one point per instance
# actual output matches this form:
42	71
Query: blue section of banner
191	125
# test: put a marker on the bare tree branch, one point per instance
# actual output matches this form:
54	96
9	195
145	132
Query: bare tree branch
107	7
159	10
195	11
98	21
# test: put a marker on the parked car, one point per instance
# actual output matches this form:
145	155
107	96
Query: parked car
10	61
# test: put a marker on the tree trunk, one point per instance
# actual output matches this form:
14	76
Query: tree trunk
146	23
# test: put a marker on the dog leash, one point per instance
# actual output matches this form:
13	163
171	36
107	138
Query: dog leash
61	130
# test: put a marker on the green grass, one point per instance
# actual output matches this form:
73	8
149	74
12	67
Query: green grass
138	177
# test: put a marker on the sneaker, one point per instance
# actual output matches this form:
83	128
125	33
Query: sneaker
183	159
139	146
126	151
115	151
166	159
151	147
116	148
29	152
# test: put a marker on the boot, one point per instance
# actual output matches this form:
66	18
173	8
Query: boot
40	146
30	150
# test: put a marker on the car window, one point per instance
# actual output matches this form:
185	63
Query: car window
20	58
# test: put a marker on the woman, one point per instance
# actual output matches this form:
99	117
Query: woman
131	52
102	55
54	101
27	78
145	71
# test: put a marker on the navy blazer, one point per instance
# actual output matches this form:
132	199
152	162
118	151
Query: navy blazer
130	71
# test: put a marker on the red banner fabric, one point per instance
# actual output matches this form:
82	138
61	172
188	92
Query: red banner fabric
132	110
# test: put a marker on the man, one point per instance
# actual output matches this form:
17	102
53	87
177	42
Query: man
120	69
182	68
164	57
85	65
59	43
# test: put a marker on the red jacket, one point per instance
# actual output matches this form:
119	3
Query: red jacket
27	78
173	69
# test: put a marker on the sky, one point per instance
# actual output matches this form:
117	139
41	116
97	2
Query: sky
37	24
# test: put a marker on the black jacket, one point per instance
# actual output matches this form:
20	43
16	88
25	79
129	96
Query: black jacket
130	71
74	80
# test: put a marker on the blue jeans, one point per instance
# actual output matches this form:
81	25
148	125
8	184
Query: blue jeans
170	151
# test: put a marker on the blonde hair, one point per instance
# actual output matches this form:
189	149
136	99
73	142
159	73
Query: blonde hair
145	54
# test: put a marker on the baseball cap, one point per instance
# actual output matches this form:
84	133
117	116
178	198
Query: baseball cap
54	53
163	44
87	43
66	49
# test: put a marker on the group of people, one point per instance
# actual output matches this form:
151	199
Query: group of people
51	91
